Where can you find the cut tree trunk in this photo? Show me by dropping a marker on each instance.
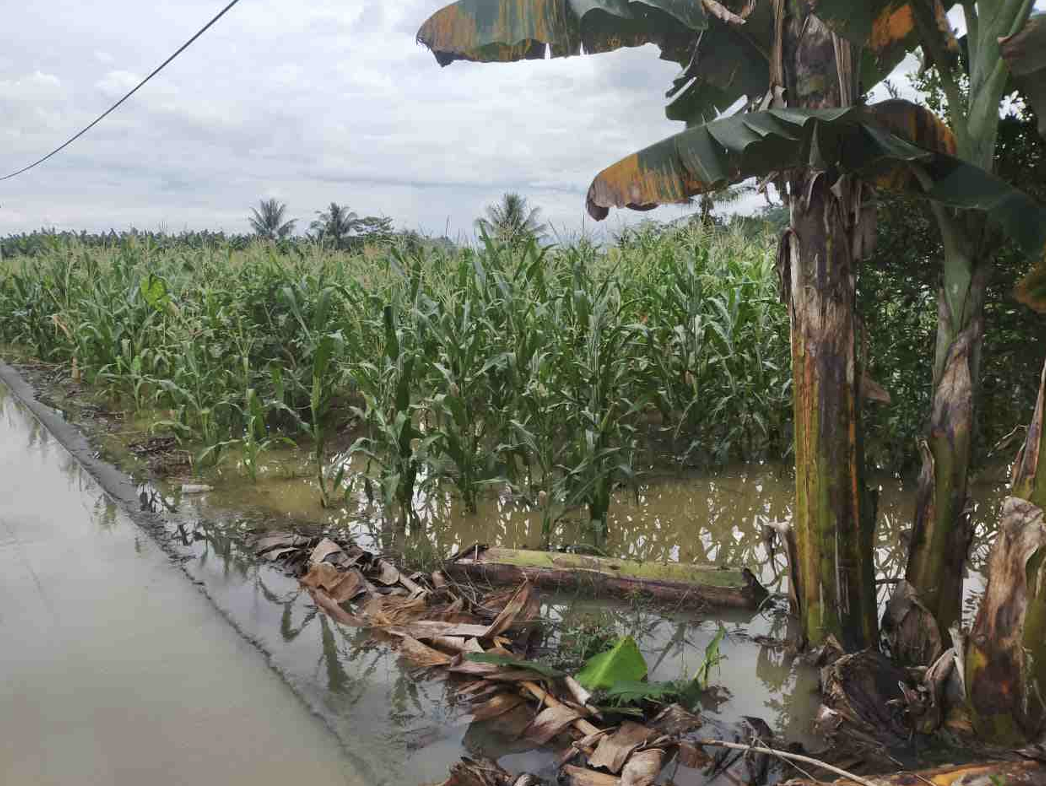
(673, 582)
(942, 531)
(1006, 654)
(819, 256)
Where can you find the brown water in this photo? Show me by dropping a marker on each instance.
(114, 669)
(716, 518)
(406, 728)
(395, 725)
(713, 518)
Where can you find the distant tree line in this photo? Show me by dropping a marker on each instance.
(510, 220)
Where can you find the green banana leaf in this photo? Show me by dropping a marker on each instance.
(621, 663)
(879, 143)
(1025, 54)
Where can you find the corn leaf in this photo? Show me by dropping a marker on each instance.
(514, 663)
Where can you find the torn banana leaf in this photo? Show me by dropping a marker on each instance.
(725, 55)
(1025, 54)
(884, 28)
(508, 30)
(883, 144)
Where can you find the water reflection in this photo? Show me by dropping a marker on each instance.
(405, 727)
(405, 721)
(718, 519)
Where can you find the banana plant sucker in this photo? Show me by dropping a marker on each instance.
(941, 532)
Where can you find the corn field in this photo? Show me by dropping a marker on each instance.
(561, 373)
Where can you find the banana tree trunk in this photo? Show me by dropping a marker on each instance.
(1006, 653)
(941, 531)
(835, 592)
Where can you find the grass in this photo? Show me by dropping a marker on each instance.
(559, 373)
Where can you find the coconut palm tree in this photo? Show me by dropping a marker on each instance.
(335, 225)
(512, 220)
(267, 220)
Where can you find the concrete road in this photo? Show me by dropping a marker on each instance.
(114, 669)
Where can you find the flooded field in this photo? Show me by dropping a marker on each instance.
(393, 724)
(711, 518)
(346, 675)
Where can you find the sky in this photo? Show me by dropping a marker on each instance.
(308, 103)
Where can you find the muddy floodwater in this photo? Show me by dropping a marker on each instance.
(714, 518)
(120, 666)
(409, 728)
(114, 668)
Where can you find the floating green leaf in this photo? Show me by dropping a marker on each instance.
(514, 663)
(630, 692)
(621, 663)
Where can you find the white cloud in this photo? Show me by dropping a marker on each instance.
(332, 101)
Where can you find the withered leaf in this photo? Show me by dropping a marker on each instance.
(582, 776)
(421, 654)
(386, 574)
(498, 704)
(643, 768)
(692, 756)
(323, 549)
(613, 751)
(279, 539)
(550, 722)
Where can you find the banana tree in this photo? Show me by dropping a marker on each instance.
(1003, 49)
(803, 129)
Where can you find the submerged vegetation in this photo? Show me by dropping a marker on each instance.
(562, 373)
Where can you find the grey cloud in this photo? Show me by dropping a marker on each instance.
(330, 100)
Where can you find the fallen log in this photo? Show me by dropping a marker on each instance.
(672, 582)
(1012, 773)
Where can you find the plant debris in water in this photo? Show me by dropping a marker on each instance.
(478, 640)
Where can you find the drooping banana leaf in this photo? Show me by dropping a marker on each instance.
(885, 28)
(880, 143)
(1025, 54)
(508, 30)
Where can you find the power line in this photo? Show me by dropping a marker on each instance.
(115, 106)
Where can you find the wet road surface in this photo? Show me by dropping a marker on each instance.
(114, 668)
